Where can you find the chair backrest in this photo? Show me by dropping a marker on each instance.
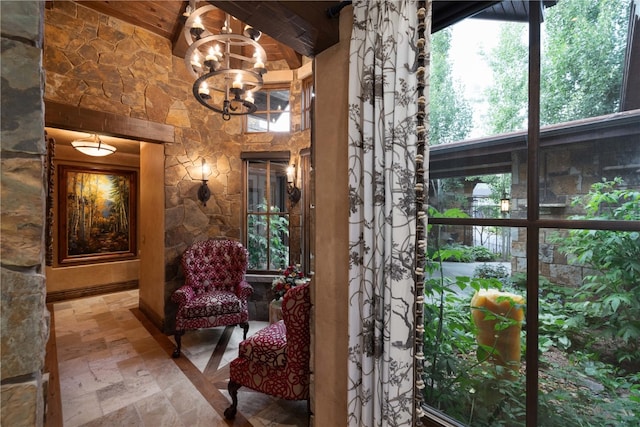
(214, 263)
(296, 314)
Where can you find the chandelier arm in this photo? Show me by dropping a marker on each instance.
(212, 69)
(192, 18)
(249, 107)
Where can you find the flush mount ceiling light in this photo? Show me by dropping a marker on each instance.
(93, 146)
(225, 79)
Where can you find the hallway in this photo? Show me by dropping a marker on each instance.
(115, 369)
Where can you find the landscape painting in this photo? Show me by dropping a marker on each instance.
(97, 212)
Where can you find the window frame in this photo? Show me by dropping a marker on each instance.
(306, 102)
(267, 89)
(277, 157)
(533, 225)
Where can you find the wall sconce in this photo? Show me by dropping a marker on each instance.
(505, 205)
(204, 194)
(292, 189)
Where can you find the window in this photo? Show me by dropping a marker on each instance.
(273, 113)
(266, 215)
(307, 102)
(562, 251)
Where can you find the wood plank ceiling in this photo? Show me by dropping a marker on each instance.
(290, 29)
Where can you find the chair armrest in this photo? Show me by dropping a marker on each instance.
(244, 290)
(182, 295)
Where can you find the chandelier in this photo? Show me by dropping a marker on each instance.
(225, 79)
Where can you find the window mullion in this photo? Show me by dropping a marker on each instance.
(268, 212)
(533, 214)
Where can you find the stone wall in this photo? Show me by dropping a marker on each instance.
(101, 63)
(566, 172)
(25, 320)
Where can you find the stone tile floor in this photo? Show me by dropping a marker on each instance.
(116, 370)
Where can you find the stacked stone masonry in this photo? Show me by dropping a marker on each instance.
(25, 322)
(101, 63)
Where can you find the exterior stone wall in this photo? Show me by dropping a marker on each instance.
(567, 171)
(25, 320)
(101, 63)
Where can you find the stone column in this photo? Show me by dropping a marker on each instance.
(25, 320)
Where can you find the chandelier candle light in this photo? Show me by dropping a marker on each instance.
(225, 79)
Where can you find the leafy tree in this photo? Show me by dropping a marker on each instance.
(450, 115)
(508, 95)
(268, 252)
(583, 59)
(609, 299)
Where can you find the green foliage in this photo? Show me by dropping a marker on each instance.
(508, 95)
(500, 185)
(488, 271)
(461, 253)
(579, 390)
(447, 193)
(609, 299)
(576, 389)
(450, 115)
(451, 253)
(582, 59)
(482, 254)
(267, 252)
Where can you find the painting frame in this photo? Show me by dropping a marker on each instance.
(97, 214)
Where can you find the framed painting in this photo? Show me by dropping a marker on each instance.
(96, 214)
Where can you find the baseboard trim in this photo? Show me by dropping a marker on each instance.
(157, 321)
(57, 296)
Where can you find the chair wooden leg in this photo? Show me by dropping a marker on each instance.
(230, 412)
(178, 336)
(245, 328)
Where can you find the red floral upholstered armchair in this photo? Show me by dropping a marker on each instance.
(215, 292)
(275, 360)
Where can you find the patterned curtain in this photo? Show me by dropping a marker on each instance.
(386, 167)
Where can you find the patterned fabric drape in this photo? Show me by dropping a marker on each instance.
(383, 106)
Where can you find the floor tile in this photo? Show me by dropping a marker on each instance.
(113, 372)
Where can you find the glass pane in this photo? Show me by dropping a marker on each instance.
(258, 122)
(588, 328)
(479, 196)
(279, 242)
(590, 176)
(257, 243)
(256, 186)
(583, 59)
(278, 186)
(279, 100)
(478, 84)
(280, 122)
(260, 100)
(474, 340)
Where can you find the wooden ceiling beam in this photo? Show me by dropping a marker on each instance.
(157, 17)
(303, 26)
(64, 116)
